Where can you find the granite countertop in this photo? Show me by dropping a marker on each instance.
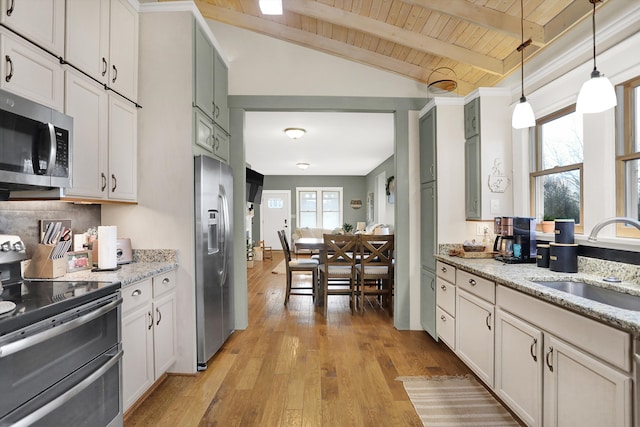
(521, 277)
(126, 275)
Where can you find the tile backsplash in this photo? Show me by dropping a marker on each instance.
(23, 218)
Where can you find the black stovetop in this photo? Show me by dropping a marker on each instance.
(37, 300)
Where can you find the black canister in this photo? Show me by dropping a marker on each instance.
(563, 257)
(542, 257)
(564, 230)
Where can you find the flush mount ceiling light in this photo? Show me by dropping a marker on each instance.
(302, 165)
(294, 133)
(597, 93)
(270, 7)
(523, 116)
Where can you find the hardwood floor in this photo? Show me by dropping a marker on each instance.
(294, 367)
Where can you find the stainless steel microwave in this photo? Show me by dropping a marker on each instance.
(35, 146)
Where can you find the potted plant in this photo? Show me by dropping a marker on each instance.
(250, 254)
(548, 224)
(347, 228)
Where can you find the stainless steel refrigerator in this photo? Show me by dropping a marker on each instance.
(214, 255)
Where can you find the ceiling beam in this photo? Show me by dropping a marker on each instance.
(324, 44)
(395, 34)
(566, 19)
(484, 17)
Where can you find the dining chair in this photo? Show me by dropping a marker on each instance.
(265, 250)
(298, 266)
(375, 270)
(337, 268)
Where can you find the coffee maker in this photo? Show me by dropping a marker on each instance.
(515, 239)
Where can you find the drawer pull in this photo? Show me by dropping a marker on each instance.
(472, 282)
(533, 354)
(444, 269)
(165, 280)
(443, 287)
(547, 358)
(136, 293)
(444, 319)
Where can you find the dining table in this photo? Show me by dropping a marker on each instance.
(311, 243)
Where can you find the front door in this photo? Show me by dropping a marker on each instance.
(275, 212)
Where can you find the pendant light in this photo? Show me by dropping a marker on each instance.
(523, 116)
(597, 93)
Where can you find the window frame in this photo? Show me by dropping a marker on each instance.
(537, 171)
(319, 208)
(625, 152)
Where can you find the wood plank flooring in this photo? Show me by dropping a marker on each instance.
(294, 367)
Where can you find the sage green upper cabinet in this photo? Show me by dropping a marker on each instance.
(428, 146)
(473, 192)
(42, 24)
(203, 68)
(221, 93)
(488, 154)
(472, 118)
(102, 41)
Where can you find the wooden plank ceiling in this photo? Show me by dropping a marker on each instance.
(472, 42)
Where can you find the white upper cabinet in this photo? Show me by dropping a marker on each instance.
(29, 72)
(102, 40)
(41, 21)
(122, 180)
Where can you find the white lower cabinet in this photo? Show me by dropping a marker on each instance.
(519, 367)
(148, 334)
(582, 391)
(474, 334)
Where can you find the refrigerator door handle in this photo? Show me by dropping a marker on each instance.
(225, 230)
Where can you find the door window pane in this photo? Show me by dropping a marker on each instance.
(561, 141)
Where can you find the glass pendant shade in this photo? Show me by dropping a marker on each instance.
(523, 116)
(596, 95)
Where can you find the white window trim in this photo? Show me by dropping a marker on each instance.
(319, 191)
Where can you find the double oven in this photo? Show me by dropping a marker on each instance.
(60, 351)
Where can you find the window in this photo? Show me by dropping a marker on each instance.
(320, 207)
(628, 158)
(556, 180)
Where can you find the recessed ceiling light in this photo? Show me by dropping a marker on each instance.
(270, 7)
(294, 133)
(302, 165)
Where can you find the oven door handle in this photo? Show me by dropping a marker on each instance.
(69, 394)
(20, 345)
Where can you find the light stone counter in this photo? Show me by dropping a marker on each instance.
(521, 277)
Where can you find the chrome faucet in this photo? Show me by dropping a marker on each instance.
(599, 226)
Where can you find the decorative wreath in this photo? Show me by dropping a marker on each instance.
(388, 186)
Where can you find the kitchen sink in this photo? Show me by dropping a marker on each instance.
(595, 293)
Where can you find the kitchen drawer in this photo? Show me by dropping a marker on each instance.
(446, 296)
(136, 295)
(164, 283)
(483, 288)
(446, 327)
(446, 271)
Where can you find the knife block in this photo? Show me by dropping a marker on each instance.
(43, 267)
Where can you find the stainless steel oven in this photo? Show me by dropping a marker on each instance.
(35, 145)
(60, 352)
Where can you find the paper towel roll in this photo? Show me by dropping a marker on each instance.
(107, 256)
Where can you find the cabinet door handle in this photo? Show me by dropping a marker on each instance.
(431, 168)
(488, 320)
(105, 66)
(104, 181)
(443, 287)
(433, 288)
(150, 320)
(531, 349)
(216, 110)
(444, 319)
(549, 354)
(10, 66)
(165, 280)
(136, 293)
(115, 183)
(473, 122)
(10, 9)
(159, 316)
(115, 74)
(472, 282)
